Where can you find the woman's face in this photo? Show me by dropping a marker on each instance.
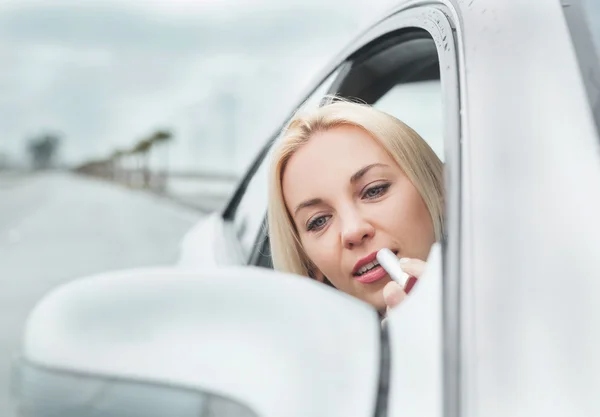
(349, 199)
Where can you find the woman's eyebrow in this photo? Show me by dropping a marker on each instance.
(361, 172)
(308, 203)
(355, 177)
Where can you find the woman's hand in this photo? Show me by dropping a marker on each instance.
(393, 293)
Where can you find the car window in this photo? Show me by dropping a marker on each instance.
(419, 105)
(402, 78)
(252, 208)
(399, 75)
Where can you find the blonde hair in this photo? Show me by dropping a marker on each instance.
(414, 156)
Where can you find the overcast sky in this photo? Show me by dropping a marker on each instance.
(106, 73)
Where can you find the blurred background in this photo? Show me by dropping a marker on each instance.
(123, 123)
(153, 93)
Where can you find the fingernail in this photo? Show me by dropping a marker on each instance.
(404, 260)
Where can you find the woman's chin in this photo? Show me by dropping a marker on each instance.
(371, 294)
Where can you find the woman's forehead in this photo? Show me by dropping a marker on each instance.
(329, 159)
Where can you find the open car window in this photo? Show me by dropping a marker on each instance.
(399, 74)
(419, 105)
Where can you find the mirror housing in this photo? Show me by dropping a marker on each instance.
(272, 344)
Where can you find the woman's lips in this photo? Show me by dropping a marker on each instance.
(371, 276)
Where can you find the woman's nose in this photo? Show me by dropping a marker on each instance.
(356, 231)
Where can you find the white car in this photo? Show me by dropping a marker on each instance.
(506, 320)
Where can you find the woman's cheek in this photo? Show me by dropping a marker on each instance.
(388, 212)
(325, 257)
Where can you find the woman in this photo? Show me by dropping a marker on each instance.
(346, 181)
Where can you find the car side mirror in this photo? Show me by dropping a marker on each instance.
(168, 342)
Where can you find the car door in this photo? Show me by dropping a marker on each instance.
(528, 342)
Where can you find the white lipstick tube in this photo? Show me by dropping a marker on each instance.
(389, 262)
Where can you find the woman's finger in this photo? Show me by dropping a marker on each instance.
(393, 294)
(413, 267)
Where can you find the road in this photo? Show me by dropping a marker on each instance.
(56, 227)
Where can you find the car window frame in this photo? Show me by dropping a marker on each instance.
(587, 52)
(232, 205)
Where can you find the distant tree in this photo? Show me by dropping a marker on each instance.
(43, 149)
(163, 136)
(129, 171)
(142, 148)
(115, 159)
(94, 167)
(117, 154)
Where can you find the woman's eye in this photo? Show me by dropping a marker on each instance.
(317, 223)
(376, 191)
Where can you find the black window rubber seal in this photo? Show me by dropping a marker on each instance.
(383, 390)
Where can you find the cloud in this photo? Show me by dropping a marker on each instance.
(207, 30)
(107, 72)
